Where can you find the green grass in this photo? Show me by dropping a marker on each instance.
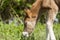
(13, 32)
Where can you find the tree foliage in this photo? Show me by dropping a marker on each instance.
(11, 8)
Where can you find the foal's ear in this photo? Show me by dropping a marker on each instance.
(28, 12)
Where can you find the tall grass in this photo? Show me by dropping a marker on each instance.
(13, 32)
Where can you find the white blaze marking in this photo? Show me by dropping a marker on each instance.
(31, 23)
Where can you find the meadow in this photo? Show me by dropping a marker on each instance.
(13, 32)
(15, 8)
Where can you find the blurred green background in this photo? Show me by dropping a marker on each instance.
(12, 17)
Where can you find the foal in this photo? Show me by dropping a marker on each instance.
(32, 15)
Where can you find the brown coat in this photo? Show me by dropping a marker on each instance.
(58, 3)
(48, 3)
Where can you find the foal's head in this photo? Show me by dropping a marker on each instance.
(29, 22)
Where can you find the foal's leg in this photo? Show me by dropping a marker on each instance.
(47, 34)
(51, 16)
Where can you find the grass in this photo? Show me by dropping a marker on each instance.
(13, 32)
